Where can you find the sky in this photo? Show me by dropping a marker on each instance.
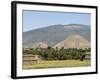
(38, 19)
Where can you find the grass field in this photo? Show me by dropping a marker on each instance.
(57, 64)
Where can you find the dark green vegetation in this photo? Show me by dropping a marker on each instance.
(56, 58)
(58, 54)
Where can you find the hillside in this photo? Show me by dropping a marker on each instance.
(55, 34)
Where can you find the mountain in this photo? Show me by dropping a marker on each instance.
(74, 41)
(54, 34)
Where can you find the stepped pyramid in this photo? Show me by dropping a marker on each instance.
(74, 41)
(39, 45)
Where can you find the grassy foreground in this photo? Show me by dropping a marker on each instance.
(57, 64)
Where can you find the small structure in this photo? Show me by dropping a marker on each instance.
(87, 56)
(30, 59)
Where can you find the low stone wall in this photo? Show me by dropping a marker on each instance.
(87, 56)
(30, 59)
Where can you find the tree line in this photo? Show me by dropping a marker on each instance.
(57, 54)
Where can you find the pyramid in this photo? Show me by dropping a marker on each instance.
(74, 41)
(39, 45)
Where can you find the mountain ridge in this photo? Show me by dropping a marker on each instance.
(54, 34)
